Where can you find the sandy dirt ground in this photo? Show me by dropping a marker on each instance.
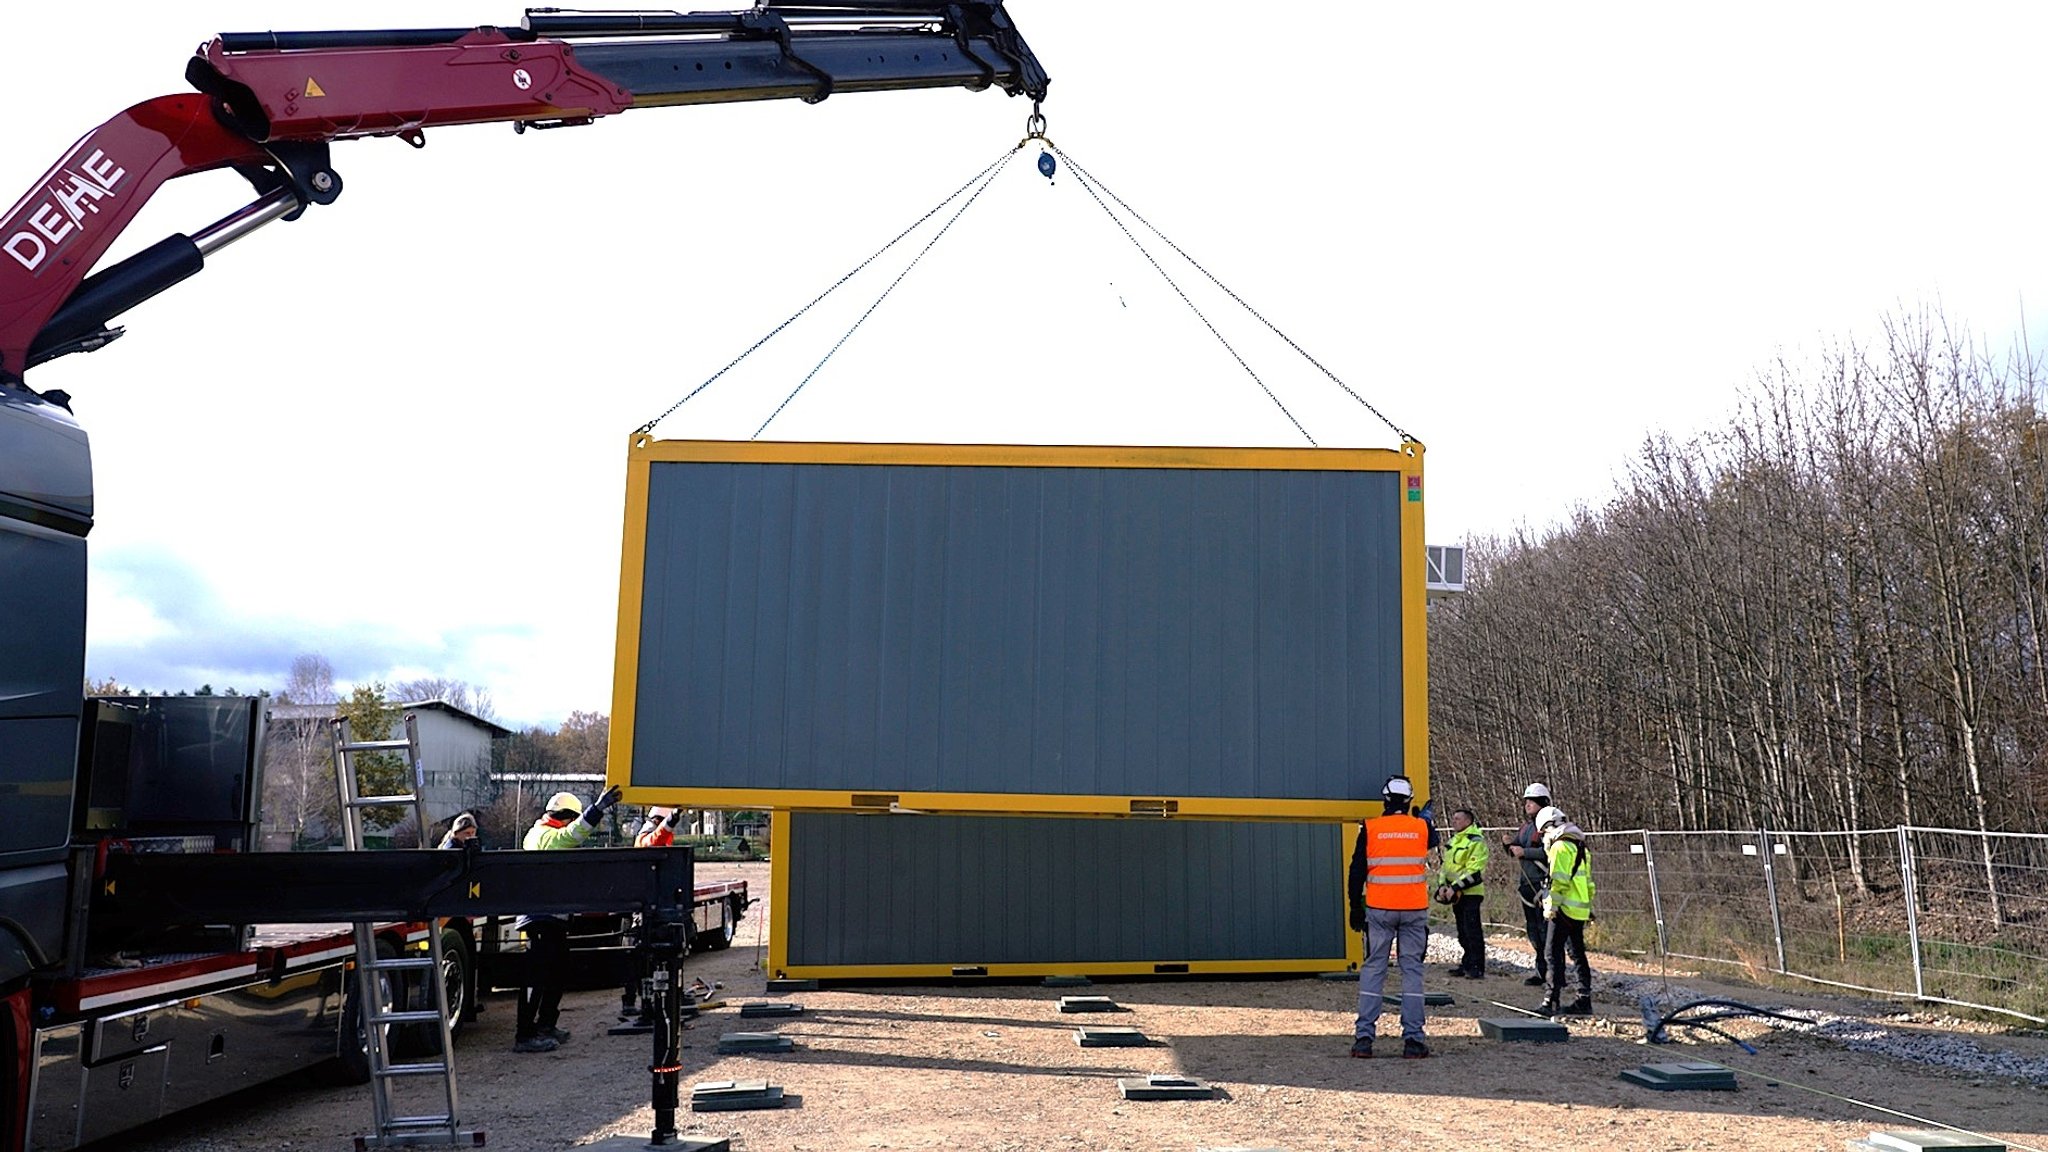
(996, 1067)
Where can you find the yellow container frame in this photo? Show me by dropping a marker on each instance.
(644, 452)
(780, 968)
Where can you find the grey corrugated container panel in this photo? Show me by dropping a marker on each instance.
(1232, 633)
(1050, 894)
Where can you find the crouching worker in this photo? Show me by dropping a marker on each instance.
(1389, 891)
(1567, 906)
(566, 824)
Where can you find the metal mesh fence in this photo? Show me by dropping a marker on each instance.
(1937, 914)
(1980, 906)
(1842, 909)
(1715, 898)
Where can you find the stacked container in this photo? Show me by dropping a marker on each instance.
(1029, 710)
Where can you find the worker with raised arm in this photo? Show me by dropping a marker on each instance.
(1389, 893)
(1567, 906)
(565, 824)
(1463, 887)
(658, 828)
(1526, 846)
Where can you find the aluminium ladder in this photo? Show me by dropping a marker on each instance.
(376, 975)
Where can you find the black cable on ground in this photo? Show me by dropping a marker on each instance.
(1735, 1008)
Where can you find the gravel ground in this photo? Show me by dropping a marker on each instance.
(995, 1067)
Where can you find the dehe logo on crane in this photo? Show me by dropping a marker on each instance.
(47, 222)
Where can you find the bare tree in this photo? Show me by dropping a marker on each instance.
(299, 795)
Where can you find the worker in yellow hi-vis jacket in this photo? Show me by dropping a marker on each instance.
(1463, 888)
(565, 824)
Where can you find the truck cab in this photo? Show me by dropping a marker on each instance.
(45, 513)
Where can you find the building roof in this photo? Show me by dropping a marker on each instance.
(327, 712)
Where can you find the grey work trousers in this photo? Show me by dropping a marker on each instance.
(1384, 929)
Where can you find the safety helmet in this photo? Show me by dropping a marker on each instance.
(565, 802)
(1551, 815)
(1398, 788)
(1536, 792)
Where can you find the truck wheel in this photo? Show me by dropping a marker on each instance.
(458, 975)
(722, 936)
(425, 1039)
(352, 1061)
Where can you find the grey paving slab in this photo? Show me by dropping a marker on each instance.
(1164, 1088)
(734, 1096)
(1111, 1038)
(754, 1042)
(1523, 1029)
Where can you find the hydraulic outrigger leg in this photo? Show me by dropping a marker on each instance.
(665, 943)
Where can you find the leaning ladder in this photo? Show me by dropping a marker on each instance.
(377, 974)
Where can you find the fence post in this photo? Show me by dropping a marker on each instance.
(1763, 843)
(1656, 899)
(1909, 884)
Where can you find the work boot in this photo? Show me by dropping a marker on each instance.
(1536, 981)
(1412, 1049)
(1475, 974)
(1547, 1008)
(535, 1044)
(1583, 1006)
(1459, 974)
(559, 1035)
(1362, 1048)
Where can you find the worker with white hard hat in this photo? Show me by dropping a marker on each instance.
(1389, 891)
(1526, 846)
(1567, 906)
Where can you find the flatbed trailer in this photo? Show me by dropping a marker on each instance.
(122, 1044)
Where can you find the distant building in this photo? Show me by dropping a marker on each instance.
(455, 748)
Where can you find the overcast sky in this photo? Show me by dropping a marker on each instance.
(394, 431)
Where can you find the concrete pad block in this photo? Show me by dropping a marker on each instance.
(734, 1096)
(733, 1042)
(1391, 1001)
(1066, 982)
(637, 1143)
(1088, 1004)
(792, 986)
(1111, 1038)
(1683, 1076)
(1523, 1029)
(1916, 1141)
(1164, 1088)
(770, 1008)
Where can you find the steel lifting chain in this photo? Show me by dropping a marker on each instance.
(1089, 181)
(982, 178)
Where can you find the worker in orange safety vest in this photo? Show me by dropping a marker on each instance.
(658, 828)
(1389, 892)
